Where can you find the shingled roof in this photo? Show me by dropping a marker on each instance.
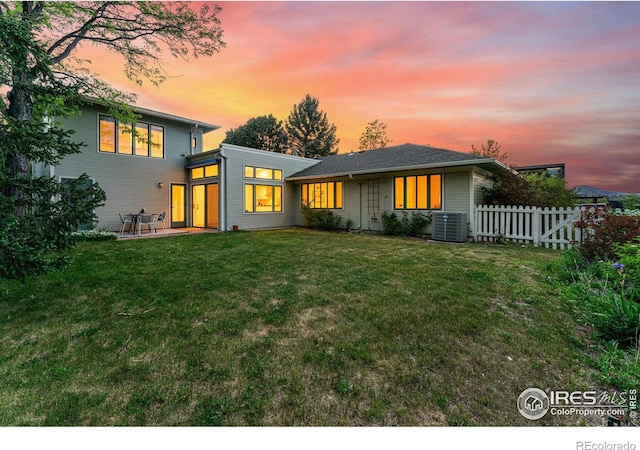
(396, 158)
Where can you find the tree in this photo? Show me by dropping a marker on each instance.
(263, 132)
(310, 134)
(491, 150)
(374, 136)
(42, 81)
(533, 189)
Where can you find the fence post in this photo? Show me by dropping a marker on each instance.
(535, 225)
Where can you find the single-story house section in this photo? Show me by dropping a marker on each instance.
(404, 178)
(166, 169)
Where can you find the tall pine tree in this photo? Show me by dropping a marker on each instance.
(310, 134)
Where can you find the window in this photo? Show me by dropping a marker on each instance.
(148, 139)
(260, 198)
(262, 173)
(107, 134)
(204, 172)
(322, 195)
(418, 192)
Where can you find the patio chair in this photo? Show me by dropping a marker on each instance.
(148, 220)
(161, 218)
(126, 220)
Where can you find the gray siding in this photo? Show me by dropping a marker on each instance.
(130, 182)
(456, 192)
(239, 157)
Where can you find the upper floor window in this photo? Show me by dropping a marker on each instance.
(418, 192)
(262, 173)
(147, 140)
(322, 195)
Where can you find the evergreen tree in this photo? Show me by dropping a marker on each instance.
(310, 134)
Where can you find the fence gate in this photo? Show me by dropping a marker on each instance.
(549, 227)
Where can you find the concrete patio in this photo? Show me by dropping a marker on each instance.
(165, 233)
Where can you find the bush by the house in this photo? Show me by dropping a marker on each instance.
(604, 230)
(321, 219)
(409, 225)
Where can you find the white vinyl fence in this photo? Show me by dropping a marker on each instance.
(548, 227)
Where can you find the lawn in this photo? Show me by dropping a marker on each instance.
(286, 327)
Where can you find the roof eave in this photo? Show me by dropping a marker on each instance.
(206, 127)
(472, 162)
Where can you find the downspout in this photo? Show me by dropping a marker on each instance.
(359, 201)
(222, 194)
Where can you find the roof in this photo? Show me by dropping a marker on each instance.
(395, 158)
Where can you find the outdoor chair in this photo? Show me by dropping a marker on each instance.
(126, 220)
(161, 218)
(148, 220)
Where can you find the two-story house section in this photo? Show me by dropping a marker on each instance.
(145, 171)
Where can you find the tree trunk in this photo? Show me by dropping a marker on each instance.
(20, 108)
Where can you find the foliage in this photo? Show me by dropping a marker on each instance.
(491, 150)
(409, 225)
(540, 190)
(618, 367)
(374, 136)
(42, 83)
(35, 243)
(263, 132)
(606, 296)
(321, 219)
(632, 202)
(310, 134)
(603, 230)
(94, 235)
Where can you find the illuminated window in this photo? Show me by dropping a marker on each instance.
(262, 173)
(261, 198)
(148, 139)
(156, 142)
(204, 172)
(107, 134)
(322, 195)
(418, 192)
(125, 140)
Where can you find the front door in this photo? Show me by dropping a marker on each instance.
(205, 205)
(178, 206)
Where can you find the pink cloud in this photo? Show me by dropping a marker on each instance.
(553, 82)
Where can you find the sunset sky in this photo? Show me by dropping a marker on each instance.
(551, 82)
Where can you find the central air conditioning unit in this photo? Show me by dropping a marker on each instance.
(449, 226)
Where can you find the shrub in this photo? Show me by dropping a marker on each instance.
(603, 230)
(322, 219)
(409, 225)
(94, 235)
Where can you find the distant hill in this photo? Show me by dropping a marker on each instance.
(594, 192)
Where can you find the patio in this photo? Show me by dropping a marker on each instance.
(165, 233)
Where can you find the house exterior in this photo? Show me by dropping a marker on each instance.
(236, 187)
(134, 173)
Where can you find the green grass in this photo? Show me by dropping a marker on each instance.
(287, 327)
